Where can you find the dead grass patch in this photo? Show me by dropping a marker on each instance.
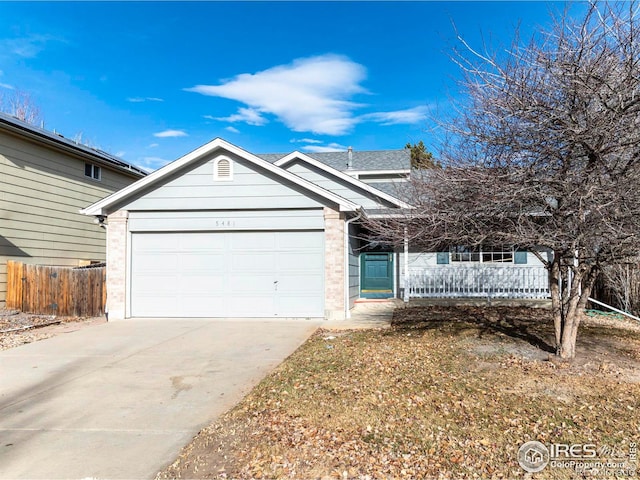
(445, 393)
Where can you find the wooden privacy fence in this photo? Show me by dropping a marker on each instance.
(64, 291)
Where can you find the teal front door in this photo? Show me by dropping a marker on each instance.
(376, 279)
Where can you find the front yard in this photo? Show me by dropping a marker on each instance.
(445, 393)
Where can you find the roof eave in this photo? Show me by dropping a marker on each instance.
(345, 177)
(67, 146)
(102, 207)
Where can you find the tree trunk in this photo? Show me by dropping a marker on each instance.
(579, 293)
(556, 298)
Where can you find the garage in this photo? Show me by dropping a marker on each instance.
(227, 274)
(222, 233)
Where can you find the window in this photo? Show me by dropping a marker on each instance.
(223, 169)
(465, 254)
(481, 254)
(92, 171)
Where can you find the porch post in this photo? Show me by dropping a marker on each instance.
(406, 266)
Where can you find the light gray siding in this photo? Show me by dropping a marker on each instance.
(335, 185)
(249, 188)
(41, 191)
(185, 221)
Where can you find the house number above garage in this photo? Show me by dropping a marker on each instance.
(225, 223)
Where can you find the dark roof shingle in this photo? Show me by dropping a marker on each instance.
(371, 160)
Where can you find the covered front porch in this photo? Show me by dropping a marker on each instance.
(458, 273)
(477, 281)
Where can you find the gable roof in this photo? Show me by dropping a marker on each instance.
(292, 157)
(362, 161)
(102, 207)
(15, 126)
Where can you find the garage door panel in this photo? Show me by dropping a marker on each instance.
(298, 306)
(202, 307)
(200, 285)
(206, 242)
(249, 305)
(157, 285)
(252, 262)
(148, 263)
(152, 306)
(155, 243)
(253, 241)
(298, 241)
(249, 284)
(300, 261)
(293, 284)
(227, 274)
(205, 262)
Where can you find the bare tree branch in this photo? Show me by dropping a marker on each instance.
(545, 153)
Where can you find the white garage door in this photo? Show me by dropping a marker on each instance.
(227, 274)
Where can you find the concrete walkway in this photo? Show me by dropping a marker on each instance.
(119, 400)
(367, 314)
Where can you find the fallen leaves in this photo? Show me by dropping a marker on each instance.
(454, 400)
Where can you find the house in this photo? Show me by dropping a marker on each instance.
(222, 232)
(44, 180)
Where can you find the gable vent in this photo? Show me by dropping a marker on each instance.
(222, 169)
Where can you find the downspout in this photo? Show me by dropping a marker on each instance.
(406, 265)
(347, 310)
(100, 220)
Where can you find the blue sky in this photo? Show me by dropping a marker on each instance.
(151, 81)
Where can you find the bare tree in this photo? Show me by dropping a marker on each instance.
(21, 105)
(621, 285)
(544, 154)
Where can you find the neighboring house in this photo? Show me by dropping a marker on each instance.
(44, 180)
(222, 232)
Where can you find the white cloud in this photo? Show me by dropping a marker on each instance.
(154, 145)
(27, 47)
(304, 140)
(144, 99)
(308, 95)
(120, 154)
(332, 147)
(246, 115)
(150, 164)
(409, 116)
(7, 86)
(170, 133)
(232, 129)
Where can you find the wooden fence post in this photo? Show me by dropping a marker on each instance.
(48, 290)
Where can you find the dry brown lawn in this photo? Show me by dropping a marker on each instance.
(445, 393)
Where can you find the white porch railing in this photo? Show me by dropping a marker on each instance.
(491, 281)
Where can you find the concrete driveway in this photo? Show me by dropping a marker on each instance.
(119, 400)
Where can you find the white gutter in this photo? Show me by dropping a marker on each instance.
(347, 310)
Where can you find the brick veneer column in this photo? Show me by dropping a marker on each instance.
(333, 264)
(117, 264)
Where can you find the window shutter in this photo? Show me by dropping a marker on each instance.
(520, 257)
(442, 258)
